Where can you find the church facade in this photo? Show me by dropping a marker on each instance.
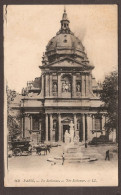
(66, 91)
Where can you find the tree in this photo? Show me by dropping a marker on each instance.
(13, 122)
(109, 95)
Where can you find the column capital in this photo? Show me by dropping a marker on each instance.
(92, 115)
(58, 73)
(50, 114)
(89, 114)
(59, 114)
(74, 73)
(47, 73)
(27, 115)
(30, 116)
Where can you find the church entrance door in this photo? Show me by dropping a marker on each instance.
(65, 127)
(36, 137)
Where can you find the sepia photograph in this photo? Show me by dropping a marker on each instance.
(60, 95)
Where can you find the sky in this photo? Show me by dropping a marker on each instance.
(28, 29)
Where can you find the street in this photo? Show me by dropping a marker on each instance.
(35, 166)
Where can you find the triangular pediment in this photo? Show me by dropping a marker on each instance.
(67, 63)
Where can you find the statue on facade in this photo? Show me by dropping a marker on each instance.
(66, 87)
(72, 131)
(54, 87)
(78, 87)
(63, 87)
(69, 87)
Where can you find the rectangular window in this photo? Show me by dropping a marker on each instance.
(35, 124)
(98, 125)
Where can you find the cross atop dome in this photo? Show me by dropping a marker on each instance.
(64, 14)
(65, 22)
(64, 8)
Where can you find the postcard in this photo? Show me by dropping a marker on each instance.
(61, 95)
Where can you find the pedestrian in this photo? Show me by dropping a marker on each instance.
(85, 144)
(63, 159)
(107, 155)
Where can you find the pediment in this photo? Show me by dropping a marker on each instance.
(67, 63)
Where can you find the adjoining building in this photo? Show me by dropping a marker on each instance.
(66, 91)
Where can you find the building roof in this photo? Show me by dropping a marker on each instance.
(62, 41)
(65, 43)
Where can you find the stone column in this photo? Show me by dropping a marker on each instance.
(62, 132)
(75, 123)
(39, 124)
(46, 124)
(83, 116)
(83, 85)
(47, 84)
(43, 83)
(40, 130)
(87, 85)
(31, 127)
(51, 93)
(103, 124)
(86, 126)
(31, 123)
(59, 85)
(22, 126)
(51, 128)
(74, 86)
(90, 83)
(93, 127)
(59, 126)
(89, 127)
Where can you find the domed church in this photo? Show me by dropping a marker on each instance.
(66, 91)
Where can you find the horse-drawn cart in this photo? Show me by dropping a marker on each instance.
(42, 148)
(21, 147)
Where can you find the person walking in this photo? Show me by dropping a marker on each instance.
(107, 155)
(63, 158)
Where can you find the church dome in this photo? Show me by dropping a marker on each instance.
(65, 43)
